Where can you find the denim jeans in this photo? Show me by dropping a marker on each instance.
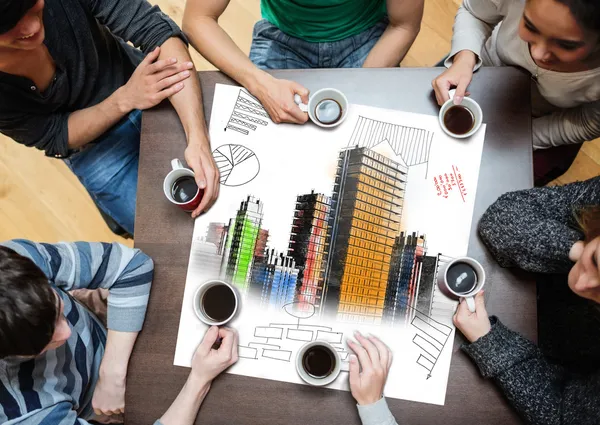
(108, 169)
(273, 49)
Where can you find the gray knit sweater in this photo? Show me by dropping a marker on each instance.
(558, 381)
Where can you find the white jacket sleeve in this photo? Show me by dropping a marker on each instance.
(377, 413)
(473, 25)
(567, 126)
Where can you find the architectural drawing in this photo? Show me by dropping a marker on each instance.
(237, 164)
(269, 340)
(335, 230)
(410, 144)
(247, 114)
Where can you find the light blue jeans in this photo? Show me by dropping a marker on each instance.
(273, 49)
(108, 169)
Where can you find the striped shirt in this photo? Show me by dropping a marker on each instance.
(56, 388)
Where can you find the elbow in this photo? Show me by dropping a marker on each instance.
(497, 223)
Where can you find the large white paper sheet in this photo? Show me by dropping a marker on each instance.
(359, 220)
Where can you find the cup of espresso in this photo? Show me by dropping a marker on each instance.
(326, 107)
(180, 187)
(460, 121)
(318, 363)
(216, 302)
(462, 277)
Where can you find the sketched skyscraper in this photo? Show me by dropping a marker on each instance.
(241, 242)
(307, 245)
(405, 273)
(365, 220)
(274, 279)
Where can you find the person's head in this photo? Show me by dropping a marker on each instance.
(31, 312)
(561, 31)
(21, 24)
(584, 277)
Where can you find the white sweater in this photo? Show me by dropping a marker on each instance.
(565, 106)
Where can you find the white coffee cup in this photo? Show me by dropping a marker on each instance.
(178, 171)
(468, 103)
(330, 377)
(316, 98)
(470, 295)
(199, 308)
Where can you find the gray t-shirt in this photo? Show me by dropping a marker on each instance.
(86, 39)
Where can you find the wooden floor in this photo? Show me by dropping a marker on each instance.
(41, 200)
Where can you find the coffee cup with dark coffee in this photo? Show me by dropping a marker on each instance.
(460, 121)
(462, 277)
(216, 302)
(318, 363)
(180, 187)
(326, 107)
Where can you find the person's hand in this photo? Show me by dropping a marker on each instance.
(369, 368)
(472, 325)
(584, 277)
(207, 362)
(109, 395)
(200, 159)
(277, 97)
(459, 75)
(153, 81)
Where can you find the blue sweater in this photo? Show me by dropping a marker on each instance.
(56, 388)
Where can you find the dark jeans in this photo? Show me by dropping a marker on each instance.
(273, 49)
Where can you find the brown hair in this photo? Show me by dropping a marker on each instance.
(589, 221)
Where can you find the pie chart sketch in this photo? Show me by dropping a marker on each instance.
(237, 164)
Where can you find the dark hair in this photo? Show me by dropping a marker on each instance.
(589, 221)
(28, 306)
(585, 12)
(11, 12)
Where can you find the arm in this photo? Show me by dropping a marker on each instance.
(369, 368)
(567, 126)
(207, 364)
(405, 23)
(473, 25)
(125, 272)
(542, 393)
(535, 229)
(200, 23)
(188, 104)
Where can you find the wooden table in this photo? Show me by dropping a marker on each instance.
(165, 233)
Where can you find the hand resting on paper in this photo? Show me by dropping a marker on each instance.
(207, 364)
(369, 368)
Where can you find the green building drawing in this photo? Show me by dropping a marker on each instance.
(242, 236)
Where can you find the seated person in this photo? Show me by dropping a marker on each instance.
(304, 34)
(552, 231)
(75, 88)
(58, 363)
(557, 42)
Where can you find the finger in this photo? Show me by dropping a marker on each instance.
(442, 91)
(150, 57)
(210, 337)
(294, 115)
(160, 65)
(587, 259)
(301, 91)
(172, 80)
(227, 342)
(206, 197)
(168, 92)
(97, 412)
(370, 347)
(480, 303)
(390, 358)
(461, 89)
(354, 372)
(383, 350)
(172, 70)
(438, 99)
(361, 353)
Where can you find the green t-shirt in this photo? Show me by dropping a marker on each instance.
(323, 20)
